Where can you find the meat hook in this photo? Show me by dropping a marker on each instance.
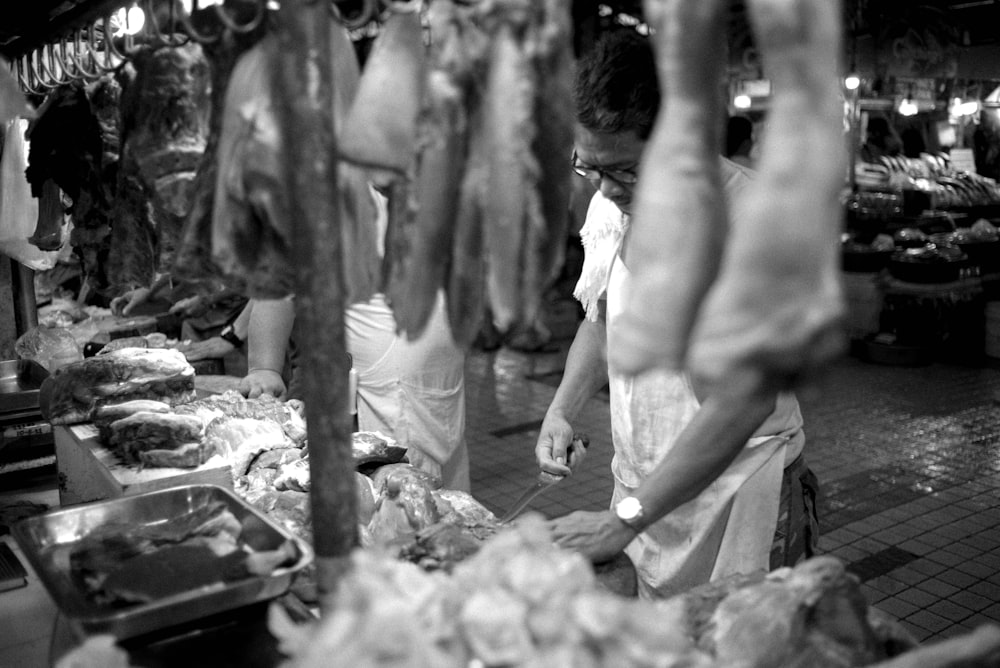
(192, 32)
(67, 63)
(159, 37)
(36, 68)
(369, 12)
(95, 51)
(46, 57)
(80, 54)
(252, 25)
(23, 76)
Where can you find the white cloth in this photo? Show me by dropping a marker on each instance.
(413, 391)
(727, 528)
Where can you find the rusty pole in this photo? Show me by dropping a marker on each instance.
(303, 100)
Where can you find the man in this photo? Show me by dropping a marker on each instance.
(698, 475)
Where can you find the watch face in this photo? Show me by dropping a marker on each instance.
(629, 508)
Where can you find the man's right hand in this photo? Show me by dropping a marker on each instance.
(553, 443)
(262, 381)
(124, 304)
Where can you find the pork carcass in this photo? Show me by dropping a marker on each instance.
(676, 237)
(777, 304)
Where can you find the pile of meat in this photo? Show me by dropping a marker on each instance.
(124, 564)
(523, 602)
(81, 388)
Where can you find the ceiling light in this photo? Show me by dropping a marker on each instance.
(852, 82)
(907, 107)
(742, 102)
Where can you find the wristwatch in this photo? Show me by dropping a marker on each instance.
(629, 510)
(229, 334)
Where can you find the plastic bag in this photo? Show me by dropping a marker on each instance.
(50, 347)
(18, 209)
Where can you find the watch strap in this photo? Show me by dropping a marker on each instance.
(229, 334)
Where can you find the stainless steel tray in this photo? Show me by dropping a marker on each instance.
(19, 384)
(47, 540)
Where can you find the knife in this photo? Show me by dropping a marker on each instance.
(542, 482)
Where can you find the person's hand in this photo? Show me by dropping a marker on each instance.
(190, 307)
(599, 536)
(262, 381)
(124, 304)
(213, 348)
(553, 442)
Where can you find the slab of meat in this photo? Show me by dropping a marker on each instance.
(48, 233)
(381, 129)
(676, 236)
(244, 439)
(233, 404)
(193, 260)
(123, 375)
(138, 434)
(251, 224)
(777, 304)
(165, 113)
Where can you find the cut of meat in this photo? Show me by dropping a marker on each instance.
(676, 236)
(777, 304)
(131, 373)
(148, 431)
(184, 456)
(243, 439)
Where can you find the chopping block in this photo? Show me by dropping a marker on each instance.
(91, 471)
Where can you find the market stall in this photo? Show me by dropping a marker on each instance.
(203, 509)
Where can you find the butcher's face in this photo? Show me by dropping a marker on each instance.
(610, 162)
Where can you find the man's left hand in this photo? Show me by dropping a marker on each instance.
(191, 307)
(599, 536)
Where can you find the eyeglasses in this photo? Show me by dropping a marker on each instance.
(623, 177)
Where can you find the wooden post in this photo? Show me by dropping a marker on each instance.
(303, 100)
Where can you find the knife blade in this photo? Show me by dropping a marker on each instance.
(542, 482)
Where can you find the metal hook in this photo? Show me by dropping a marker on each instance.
(81, 54)
(23, 76)
(369, 12)
(159, 37)
(94, 51)
(37, 66)
(109, 41)
(223, 15)
(192, 32)
(68, 64)
(48, 67)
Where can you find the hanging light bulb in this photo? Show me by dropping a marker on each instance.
(852, 81)
(742, 101)
(129, 21)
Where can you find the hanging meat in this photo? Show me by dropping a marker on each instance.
(381, 128)
(67, 146)
(193, 258)
(491, 183)
(164, 130)
(679, 226)
(251, 227)
(777, 304)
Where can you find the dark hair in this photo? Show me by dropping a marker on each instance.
(616, 87)
(739, 129)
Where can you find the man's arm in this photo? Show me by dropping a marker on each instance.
(706, 447)
(269, 327)
(586, 372)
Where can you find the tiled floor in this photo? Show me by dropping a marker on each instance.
(908, 459)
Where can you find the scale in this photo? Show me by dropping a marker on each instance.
(26, 440)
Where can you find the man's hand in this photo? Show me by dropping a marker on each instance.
(213, 348)
(554, 439)
(124, 304)
(262, 381)
(190, 307)
(599, 536)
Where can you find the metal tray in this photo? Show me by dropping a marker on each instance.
(19, 383)
(47, 540)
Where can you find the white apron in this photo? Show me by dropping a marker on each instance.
(729, 527)
(413, 391)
